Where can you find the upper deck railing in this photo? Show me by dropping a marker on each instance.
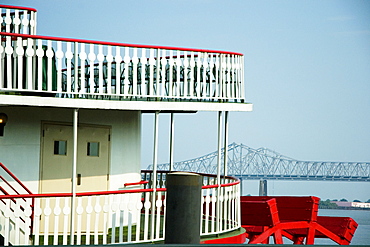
(75, 68)
(16, 19)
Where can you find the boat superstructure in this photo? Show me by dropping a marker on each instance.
(70, 148)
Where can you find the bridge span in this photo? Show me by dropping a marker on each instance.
(248, 163)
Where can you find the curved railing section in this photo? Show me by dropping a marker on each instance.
(75, 68)
(132, 215)
(220, 202)
(16, 19)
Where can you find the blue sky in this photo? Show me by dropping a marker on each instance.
(307, 72)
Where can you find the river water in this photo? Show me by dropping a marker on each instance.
(362, 217)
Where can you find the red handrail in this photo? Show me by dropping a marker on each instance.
(117, 44)
(17, 7)
(15, 178)
(136, 183)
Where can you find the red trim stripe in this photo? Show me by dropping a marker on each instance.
(18, 7)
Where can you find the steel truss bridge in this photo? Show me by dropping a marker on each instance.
(248, 163)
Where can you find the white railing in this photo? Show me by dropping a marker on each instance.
(110, 217)
(61, 67)
(18, 19)
(220, 202)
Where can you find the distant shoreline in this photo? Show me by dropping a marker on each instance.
(344, 208)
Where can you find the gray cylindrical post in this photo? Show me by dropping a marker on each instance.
(263, 187)
(184, 191)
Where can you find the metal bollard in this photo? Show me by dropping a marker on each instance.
(183, 208)
(263, 187)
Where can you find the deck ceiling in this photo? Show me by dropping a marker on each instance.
(15, 100)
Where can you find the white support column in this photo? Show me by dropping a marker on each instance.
(226, 140)
(219, 138)
(74, 174)
(218, 205)
(154, 178)
(172, 141)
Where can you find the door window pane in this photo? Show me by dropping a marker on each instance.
(93, 149)
(60, 147)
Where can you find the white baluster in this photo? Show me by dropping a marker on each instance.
(115, 219)
(8, 21)
(147, 206)
(33, 22)
(16, 21)
(20, 52)
(126, 81)
(98, 210)
(192, 77)
(171, 62)
(36, 220)
(91, 58)
(208, 205)
(151, 73)
(214, 200)
(49, 55)
(47, 212)
(83, 57)
(228, 79)
(109, 59)
(158, 205)
(59, 57)
(17, 221)
(30, 52)
(143, 62)
(79, 211)
(121, 215)
(40, 54)
(118, 60)
(178, 73)
(7, 215)
(89, 210)
(205, 67)
(139, 207)
(69, 56)
(164, 216)
(27, 223)
(25, 22)
(211, 76)
(199, 66)
(57, 212)
(135, 61)
(100, 58)
(66, 213)
(158, 73)
(162, 80)
(107, 212)
(185, 82)
(217, 76)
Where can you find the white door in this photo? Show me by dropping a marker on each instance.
(92, 158)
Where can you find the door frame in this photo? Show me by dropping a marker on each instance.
(43, 123)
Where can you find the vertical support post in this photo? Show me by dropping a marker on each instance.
(74, 174)
(183, 216)
(218, 202)
(172, 141)
(154, 178)
(219, 139)
(226, 137)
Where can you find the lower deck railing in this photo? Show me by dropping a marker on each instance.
(110, 217)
